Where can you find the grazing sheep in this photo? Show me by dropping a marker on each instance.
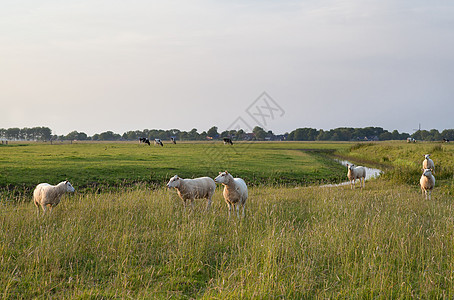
(235, 191)
(50, 195)
(428, 163)
(190, 189)
(356, 172)
(427, 182)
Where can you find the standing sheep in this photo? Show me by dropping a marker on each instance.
(235, 191)
(354, 173)
(428, 163)
(50, 195)
(190, 189)
(427, 182)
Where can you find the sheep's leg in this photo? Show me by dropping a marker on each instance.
(230, 208)
(243, 209)
(209, 203)
(430, 192)
(237, 210)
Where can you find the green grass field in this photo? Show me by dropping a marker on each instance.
(297, 240)
(104, 165)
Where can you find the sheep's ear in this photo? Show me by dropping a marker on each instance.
(220, 173)
(226, 172)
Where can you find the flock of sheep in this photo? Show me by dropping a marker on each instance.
(427, 180)
(235, 189)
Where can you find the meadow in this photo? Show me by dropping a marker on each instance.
(298, 240)
(107, 165)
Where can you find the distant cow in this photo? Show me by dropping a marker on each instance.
(173, 140)
(158, 142)
(228, 141)
(144, 140)
(446, 140)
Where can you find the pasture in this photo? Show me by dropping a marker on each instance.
(107, 165)
(296, 241)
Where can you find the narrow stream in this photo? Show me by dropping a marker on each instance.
(371, 173)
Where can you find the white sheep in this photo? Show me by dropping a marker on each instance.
(427, 182)
(235, 191)
(428, 163)
(356, 172)
(50, 195)
(190, 189)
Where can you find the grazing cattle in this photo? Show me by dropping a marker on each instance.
(190, 189)
(228, 141)
(158, 142)
(356, 172)
(144, 140)
(50, 195)
(235, 191)
(427, 182)
(173, 140)
(445, 140)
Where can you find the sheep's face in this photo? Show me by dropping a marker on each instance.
(351, 167)
(69, 187)
(223, 177)
(174, 182)
(427, 172)
(426, 156)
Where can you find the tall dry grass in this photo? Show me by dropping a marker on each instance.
(383, 242)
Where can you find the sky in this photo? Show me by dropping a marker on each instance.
(98, 65)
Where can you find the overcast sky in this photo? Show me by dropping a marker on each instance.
(98, 65)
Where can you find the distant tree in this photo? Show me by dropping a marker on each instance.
(435, 135)
(303, 134)
(13, 133)
(74, 135)
(385, 136)
(259, 133)
(448, 134)
(322, 135)
(109, 136)
(213, 132)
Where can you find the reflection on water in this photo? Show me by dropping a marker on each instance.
(370, 173)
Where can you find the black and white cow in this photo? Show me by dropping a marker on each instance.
(144, 140)
(158, 142)
(228, 141)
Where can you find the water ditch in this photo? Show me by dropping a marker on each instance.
(371, 173)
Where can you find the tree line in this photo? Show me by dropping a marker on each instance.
(258, 133)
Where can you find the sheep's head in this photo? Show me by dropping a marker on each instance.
(174, 182)
(223, 177)
(426, 156)
(350, 167)
(69, 187)
(427, 172)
